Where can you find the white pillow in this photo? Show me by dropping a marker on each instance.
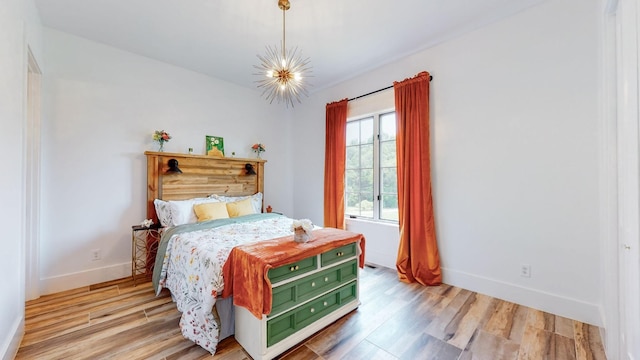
(178, 212)
(182, 211)
(163, 211)
(256, 200)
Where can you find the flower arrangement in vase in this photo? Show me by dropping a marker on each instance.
(258, 148)
(301, 230)
(161, 137)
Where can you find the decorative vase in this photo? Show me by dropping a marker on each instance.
(161, 149)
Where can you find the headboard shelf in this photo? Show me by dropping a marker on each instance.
(201, 176)
(195, 156)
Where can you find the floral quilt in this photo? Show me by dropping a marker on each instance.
(192, 270)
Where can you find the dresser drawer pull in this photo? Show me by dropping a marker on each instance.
(313, 283)
(325, 303)
(294, 268)
(340, 253)
(313, 310)
(326, 279)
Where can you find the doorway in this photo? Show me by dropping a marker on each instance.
(32, 160)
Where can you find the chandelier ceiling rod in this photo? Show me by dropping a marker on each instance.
(284, 5)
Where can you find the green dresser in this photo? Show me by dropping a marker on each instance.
(307, 295)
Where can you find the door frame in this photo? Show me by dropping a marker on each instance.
(622, 249)
(32, 165)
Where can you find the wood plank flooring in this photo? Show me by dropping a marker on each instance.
(117, 320)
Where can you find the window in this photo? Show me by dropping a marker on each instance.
(371, 189)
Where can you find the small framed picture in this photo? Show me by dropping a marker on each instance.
(215, 146)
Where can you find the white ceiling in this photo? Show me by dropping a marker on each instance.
(343, 38)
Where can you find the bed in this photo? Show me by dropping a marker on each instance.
(284, 291)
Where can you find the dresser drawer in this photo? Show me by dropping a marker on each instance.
(292, 321)
(294, 269)
(293, 293)
(338, 254)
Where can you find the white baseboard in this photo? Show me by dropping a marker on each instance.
(548, 302)
(610, 335)
(84, 278)
(10, 348)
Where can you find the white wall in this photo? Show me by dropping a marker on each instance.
(101, 106)
(514, 111)
(20, 29)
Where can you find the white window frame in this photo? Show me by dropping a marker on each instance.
(377, 182)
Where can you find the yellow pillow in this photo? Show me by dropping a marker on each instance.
(211, 211)
(240, 208)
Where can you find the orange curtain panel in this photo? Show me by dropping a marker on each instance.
(334, 164)
(418, 259)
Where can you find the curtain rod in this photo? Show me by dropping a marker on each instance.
(377, 91)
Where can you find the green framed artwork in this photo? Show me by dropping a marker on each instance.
(215, 146)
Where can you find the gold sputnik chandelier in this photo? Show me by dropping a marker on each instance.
(283, 70)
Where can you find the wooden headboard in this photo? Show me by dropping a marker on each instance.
(201, 176)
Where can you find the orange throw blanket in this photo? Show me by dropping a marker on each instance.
(245, 271)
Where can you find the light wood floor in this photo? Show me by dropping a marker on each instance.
(395, 321)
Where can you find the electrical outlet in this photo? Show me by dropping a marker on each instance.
(95, 254)
(525, 270)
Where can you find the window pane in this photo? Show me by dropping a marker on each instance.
(352, 181)
(353, 157)
(366, 205)
(366, 156)
(389, 181)
(353, 200)
(366, 181)
(352, 204)
(388, 153)
(353, 133)
(389, 207)
(388, 126)
(366, 131)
